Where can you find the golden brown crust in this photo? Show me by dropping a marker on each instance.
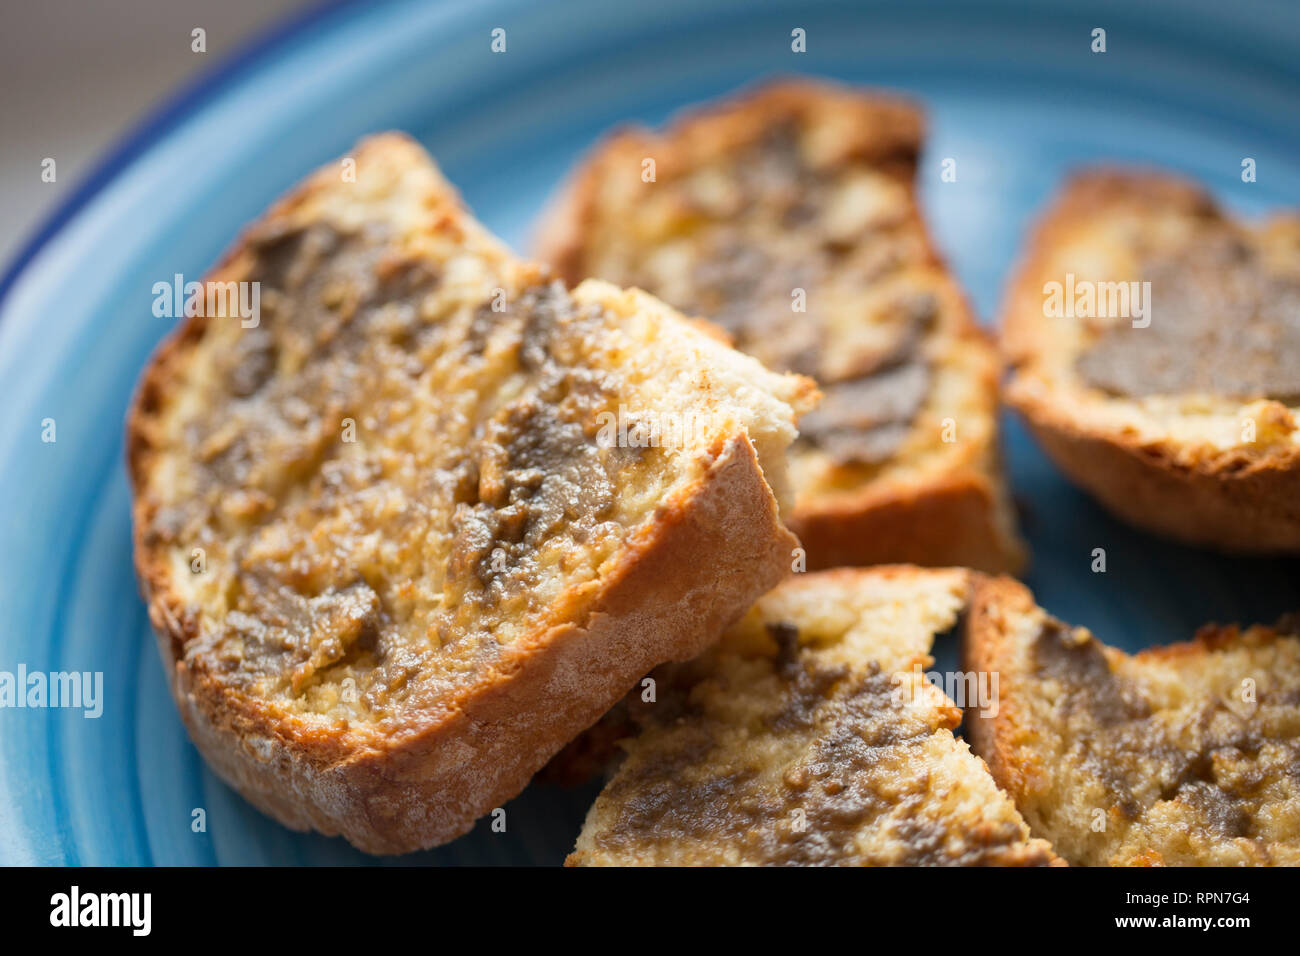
(1226, 502)
(1177, 755)
(985, 634)
(936, 504)
(1200, 469)
(713, 547)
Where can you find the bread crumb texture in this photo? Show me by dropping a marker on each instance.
(1186, 755)
(399, 473)
(810, 736)
(1217, 345)
(787, 216)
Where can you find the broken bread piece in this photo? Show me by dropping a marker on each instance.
(1155, 347)
(788, 215)
(431, 514)
(1185, 755)
(809, 735)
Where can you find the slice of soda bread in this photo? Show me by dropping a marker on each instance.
(1181, 755)
(788, 216)
(1155, 344)
(810, 735)
(431, 514)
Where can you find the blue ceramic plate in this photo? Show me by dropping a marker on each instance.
(1015, 94)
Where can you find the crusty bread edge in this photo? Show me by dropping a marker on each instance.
(1232, 502)
(1236, 509)
(949, 521)
(986, 649)
(716, 546)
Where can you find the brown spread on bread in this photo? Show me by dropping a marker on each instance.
(788, 216)
(369, 394)
(1223, 322)
(395, 548)
(810, 737)
(763, 221)
(773, 233)
(341, 336)
(859, 741)
(1177, 411)
(1187, 754)
(1212, 762)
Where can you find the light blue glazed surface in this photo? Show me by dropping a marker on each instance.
(1014, 95)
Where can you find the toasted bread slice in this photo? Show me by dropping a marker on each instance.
(810, 736)
(397, 543)
(1182, 419)
(788, 215)
(1180, 755)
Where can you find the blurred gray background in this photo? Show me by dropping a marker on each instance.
(77, 74)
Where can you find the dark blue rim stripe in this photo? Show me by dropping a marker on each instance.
(159, 122)
(129, 148)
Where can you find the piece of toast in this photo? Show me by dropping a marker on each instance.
(788, 215)
(433, 514)
(809, 735)
(1181, 755)
(1183, 419)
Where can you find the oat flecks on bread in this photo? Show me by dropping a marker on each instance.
(809, 735)
(1180, 755)
(1186, 424)
(392, 562)
(788, 216)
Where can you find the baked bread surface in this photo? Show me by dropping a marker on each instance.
(1185, 755)
(809, 735)
(393, 556)
(1185, 424)
(788, 216)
